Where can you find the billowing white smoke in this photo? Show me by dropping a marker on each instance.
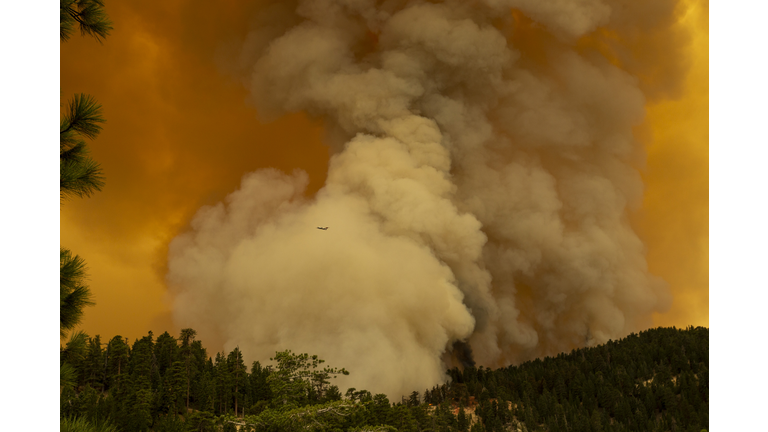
(471, 198)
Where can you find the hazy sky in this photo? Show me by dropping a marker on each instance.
(180, 135)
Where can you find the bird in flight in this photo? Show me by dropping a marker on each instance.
(322, 228)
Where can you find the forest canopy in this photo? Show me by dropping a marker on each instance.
(657, 380)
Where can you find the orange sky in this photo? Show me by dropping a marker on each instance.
(179, 135)
(675, 219)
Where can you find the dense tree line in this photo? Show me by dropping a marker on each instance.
(657, 380)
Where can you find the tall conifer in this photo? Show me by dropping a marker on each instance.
(79, 175)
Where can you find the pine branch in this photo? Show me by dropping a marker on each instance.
(74, 294)
(71, 308)
(67, 376)
(81, 177)
(71, 145)
(90, 16)
(74, 151)
(72, 270)
(82, 116)
(75, 349)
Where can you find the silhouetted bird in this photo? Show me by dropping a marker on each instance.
(322, 228)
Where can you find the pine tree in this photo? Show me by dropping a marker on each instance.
(380, 410)
(239, 375)
(462, 420)
(199, 364)
(117, 361)
(260, 390)
(166, 352)
(141, 362)
(205, 391)
(332, 394)
(200, 421)
(173, 389)
(94, 364)
(138, 414)
(413, 399)
(186, 338)
(223, 383)
(403, 419)
(79, 175)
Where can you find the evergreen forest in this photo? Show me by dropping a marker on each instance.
(657, 380)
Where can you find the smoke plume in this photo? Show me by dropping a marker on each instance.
(483, 169)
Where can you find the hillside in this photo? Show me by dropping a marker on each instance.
(657, 380)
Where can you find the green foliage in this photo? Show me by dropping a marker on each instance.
(186, 338)
(67, 377)
(71, 362)
(74, 294)
(462, 420)
(635, 387)
(166, 352)
(117, 361)
(79, 424)
(223, 379)
(82, 117)
(75, 350)
(358, 395)
(414, 399)
(311, 418)
(200, 421)
(297, 380)
(258, 387)
(656, 377)
(82, 365)
(238, 373)
(88, 14)
(79, 175)
(169, 423)
(92, 371)
(403, 419)
(173, 390)
(137, 414)
(141, 362)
